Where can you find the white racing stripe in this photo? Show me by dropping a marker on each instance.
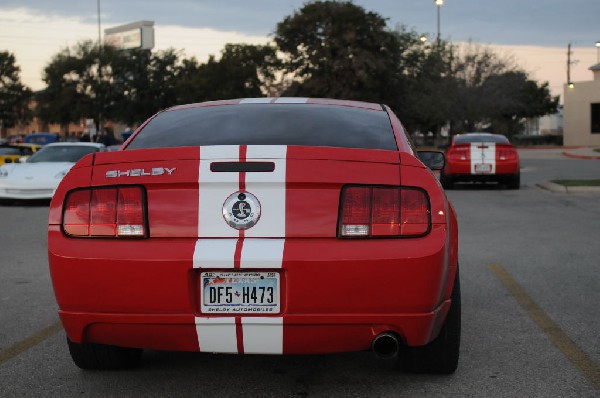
(217, 335)
(480, 156)
(263, 335)
(262, 246)
(269, 188)
(213, 189)
(262, 253)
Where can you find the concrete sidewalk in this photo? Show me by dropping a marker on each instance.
(581, 153)
(550, 186)
(558, 152)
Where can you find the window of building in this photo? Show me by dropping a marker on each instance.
(595, 118)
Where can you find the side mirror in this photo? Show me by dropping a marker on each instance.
(434, 160)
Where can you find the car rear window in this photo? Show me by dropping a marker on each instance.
(466, 139)
(62, 153)
(270, 124)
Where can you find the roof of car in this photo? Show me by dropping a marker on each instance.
(94, 144)
(284, 100)
(478, 134)
(479, 137)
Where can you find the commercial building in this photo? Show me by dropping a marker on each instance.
(582, 111)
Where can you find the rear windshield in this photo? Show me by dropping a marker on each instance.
(271, 124)
(62, 153)
(466, 139)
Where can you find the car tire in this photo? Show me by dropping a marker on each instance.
(440, 356)
(104, 357)
(514, 182)
(446, 181)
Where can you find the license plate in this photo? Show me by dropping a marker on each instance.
(483, 168)
(239, 292)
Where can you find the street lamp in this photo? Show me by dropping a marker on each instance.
(439, 4)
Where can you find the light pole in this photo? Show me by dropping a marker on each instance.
(98, 99)
(598, 51)
(439, 4)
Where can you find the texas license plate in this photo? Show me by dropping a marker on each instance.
(483, 168)
(239, 292)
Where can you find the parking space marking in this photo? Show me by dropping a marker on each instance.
(31, 341)
(551, 329)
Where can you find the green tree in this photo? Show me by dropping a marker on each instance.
(109, 84)
(144, 82)
(430, 88)
(243, 70)
(338, 50)
(516, 98)
(493, 94)
(14, 96)
(79, 84)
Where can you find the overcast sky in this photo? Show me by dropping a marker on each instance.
(37, 29)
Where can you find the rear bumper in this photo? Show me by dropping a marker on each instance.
(290, 334)
(26, 193)
(463, 169)
(336, 295)
(481, 177)
(11, 189)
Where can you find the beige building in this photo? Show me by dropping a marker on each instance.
(582, 112)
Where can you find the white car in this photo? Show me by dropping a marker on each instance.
(39, 176)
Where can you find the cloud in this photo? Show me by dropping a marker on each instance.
(35, 37)
(200, 43)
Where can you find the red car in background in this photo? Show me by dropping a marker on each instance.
(258, 226)
(481, 157)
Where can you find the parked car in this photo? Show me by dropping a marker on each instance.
(11, 153)
(258, 226)
(41, 138)
(43, 171)
(481, 157)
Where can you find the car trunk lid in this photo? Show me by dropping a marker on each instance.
(298, 188)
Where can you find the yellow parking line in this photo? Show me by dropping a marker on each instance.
(559, 338)
(34, 339)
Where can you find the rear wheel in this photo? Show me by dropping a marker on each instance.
(514, 182)
(441, 355)
(104, 357)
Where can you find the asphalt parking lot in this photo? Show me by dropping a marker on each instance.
(530, 282)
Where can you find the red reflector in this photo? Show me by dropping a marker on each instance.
(507, 153)
(460, 153)
(76, 220)
(103, 221)
(415, 212)
(384, 212)
(105, 212)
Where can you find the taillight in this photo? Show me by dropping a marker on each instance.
(506, 153)
(459, 153)
(368, 211)
(105, 212)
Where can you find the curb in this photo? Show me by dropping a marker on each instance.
(543, 147)
(570, 155)
(550, 186)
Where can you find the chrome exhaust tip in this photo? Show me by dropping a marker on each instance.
(386, 345)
